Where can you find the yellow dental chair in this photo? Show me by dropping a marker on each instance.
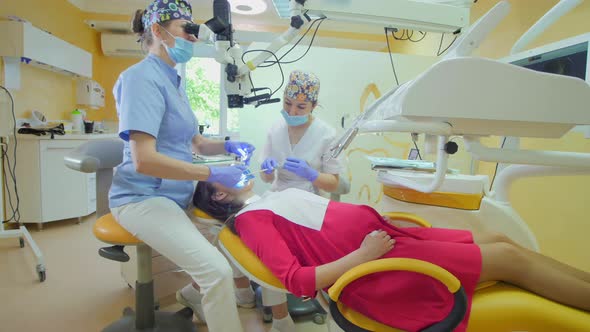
(496, 306)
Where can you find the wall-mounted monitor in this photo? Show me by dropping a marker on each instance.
(568, 57)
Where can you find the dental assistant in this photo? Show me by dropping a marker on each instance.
(297, 150)
(152, 187)
(297, 155)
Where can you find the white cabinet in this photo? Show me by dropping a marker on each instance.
(47, 189)
(34, 46)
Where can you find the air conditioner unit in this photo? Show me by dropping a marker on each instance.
(422, 15)
(123, 45)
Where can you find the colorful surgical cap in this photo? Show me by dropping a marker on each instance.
(165, 10)
(303, 86)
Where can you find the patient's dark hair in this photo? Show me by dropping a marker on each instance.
(203, 199)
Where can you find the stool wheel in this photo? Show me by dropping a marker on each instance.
(319, 319)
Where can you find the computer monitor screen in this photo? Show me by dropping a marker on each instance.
(570, 61)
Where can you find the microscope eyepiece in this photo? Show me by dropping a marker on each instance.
(192, 28)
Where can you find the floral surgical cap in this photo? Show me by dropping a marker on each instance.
(165, 10)
(303, 86)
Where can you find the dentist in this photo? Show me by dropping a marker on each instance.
(153, 185)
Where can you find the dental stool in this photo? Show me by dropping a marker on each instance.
(101, 156)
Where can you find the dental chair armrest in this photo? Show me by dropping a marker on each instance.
(409, 217)
(394, 264)
(95, 155)
(81, 163)
(403, 264)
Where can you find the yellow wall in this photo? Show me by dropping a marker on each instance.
(51, 93)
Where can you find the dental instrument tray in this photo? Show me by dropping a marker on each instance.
(384, 163)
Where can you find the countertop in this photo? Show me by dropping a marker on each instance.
(69, 136)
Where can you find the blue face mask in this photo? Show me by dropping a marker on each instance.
(294, 120)
(182, 51)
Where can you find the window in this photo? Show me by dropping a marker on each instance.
(203, 89)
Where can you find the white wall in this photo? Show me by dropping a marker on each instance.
(344, 76)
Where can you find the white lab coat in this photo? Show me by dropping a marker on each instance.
(313, 147)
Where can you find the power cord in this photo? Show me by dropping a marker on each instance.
(414, 139)
(11, 168)
(271, 63)
(442, 36)
(278, 59)
(389, 50)
(496, 169)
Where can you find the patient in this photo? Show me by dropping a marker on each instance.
(308, 242)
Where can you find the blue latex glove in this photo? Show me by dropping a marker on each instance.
(301, 168)
(268, 165)
(228, 176)
(241, 149)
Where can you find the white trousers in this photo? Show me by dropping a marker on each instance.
(163, 225)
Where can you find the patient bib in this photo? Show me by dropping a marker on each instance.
(298, 206)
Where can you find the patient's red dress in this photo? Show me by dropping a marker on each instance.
(404, 300)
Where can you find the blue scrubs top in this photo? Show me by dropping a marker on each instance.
(150, 99)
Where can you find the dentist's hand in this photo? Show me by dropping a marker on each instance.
(228, 176)
(301, 168)
(241, 149)
(269, 165)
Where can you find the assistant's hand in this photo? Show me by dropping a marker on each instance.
(228, 176)
(376, 244)
(268, 165)
(242, 149)
(301, 168)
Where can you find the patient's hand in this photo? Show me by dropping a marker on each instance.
(376, 244)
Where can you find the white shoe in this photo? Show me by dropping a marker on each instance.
(194, 305)
(245, 298)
